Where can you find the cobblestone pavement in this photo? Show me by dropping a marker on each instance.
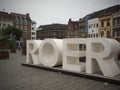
(13, 76)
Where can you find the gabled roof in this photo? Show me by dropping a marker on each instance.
(4, 16)
(11, 16)
(21, 15)
(53, 27)
(96, 14)
(73, 22)
(110, 10)
(104, 12)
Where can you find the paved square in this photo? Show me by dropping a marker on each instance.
(14, 76)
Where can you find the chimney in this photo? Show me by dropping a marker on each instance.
(69, 19)
(28, 14)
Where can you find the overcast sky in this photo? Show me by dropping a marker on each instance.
(55, 11)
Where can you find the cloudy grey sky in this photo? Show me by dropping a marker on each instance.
(55, 11)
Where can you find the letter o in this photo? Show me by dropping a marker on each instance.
(50, 52)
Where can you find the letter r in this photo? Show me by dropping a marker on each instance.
(102, 52)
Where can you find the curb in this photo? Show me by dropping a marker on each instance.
(84, 75)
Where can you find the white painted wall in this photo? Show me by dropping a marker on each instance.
(93, 28)
(33, 30)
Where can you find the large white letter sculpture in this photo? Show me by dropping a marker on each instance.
(103, 51)
(100, 54)
(71, 54)
(32, 51)
(50, 52)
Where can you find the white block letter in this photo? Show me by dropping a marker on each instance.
(102, 51)
(50, 52)
(32, 51)
(72, 53)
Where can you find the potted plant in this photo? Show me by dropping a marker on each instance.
(13, 46)
(13, 34)
(4, 46)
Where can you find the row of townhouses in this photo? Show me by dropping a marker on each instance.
(20, 21)
(102, 23)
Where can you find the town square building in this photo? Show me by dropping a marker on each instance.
(51, 31)
(33, 30)
(23, 22)
(105, 21)
(76, 29)
(5, 20)
(116, 26)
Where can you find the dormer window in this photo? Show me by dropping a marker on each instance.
(40, 28)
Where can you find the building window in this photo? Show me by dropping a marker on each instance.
(96, 35)
(33, 38)
(108, 34)
(89, 35)
(115, 22)
(20, 18)
(108, 22)
(24, 18)
(89, 26)
(118, 21)
(102, 33)
(33, 33)
(96, 25)
(115, 34)
(92, 30)
(102, 23)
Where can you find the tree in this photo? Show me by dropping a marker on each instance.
(12, 32)
(4, 40)
(9, 35)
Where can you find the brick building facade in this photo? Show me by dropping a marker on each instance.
(22, 22)
(51, 31)
(5, 20)
(75, 29)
